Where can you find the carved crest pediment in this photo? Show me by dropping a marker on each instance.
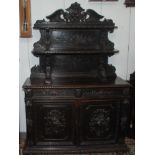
(76, 17)
(75, 14)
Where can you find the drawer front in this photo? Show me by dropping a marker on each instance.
(81, 92)
(54, 122)
(99, 121)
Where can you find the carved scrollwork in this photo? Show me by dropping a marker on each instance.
(36, 69)
(56, 16)
(92, 16)
(106, 72)
(44, 43)
(73, 14)
(39, 47)
(76, 14)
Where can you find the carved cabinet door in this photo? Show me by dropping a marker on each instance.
(54, 122)
(99, 121)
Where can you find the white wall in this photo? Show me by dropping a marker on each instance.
(123, 37)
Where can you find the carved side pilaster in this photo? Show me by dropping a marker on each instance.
(28, 105)
(124, 116)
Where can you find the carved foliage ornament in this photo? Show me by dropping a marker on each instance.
(75, 13)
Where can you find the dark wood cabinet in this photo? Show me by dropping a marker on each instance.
(75, 103)
(67, 117)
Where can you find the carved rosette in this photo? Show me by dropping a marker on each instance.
(99, 122)
(54, 122)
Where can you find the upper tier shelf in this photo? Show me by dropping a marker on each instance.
(73, 51)
(74, 31)
(106, 24)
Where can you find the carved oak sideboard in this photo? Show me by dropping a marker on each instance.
(76, 118)
(75, 103)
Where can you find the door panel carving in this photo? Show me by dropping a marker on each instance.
(54, 122)
(99, 121)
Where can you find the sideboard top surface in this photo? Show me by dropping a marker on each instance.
(40, 84)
